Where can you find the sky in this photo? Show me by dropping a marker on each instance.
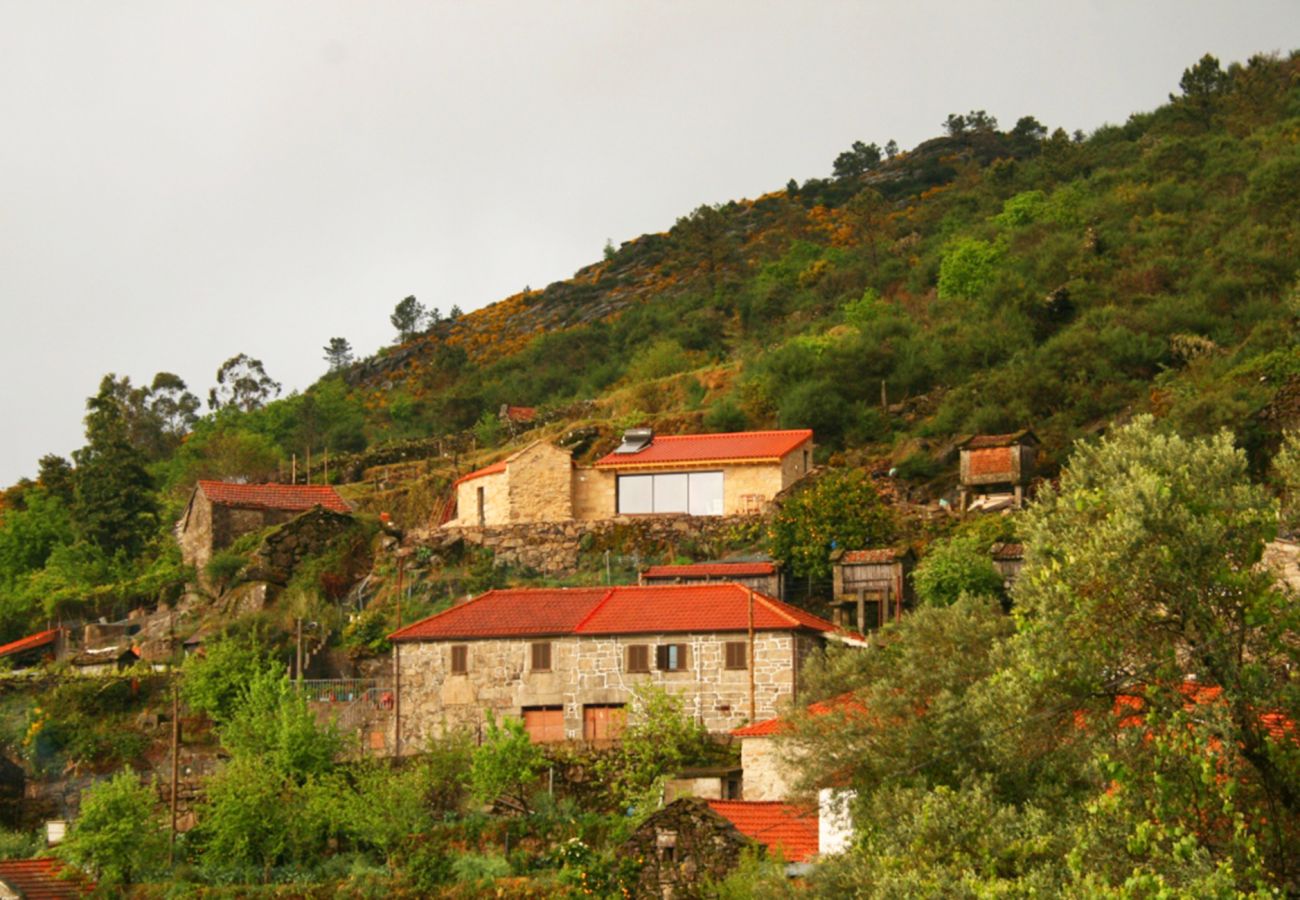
(182, 181)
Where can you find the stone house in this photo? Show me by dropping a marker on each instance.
(769, 768)
(996, 469)
(219, 512)
(567, 661)
(764, 577)
(691, 474)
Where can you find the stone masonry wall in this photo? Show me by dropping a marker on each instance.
(587, 670)
(539, 480)
(496, 502)
(767, 775)
(555, 547)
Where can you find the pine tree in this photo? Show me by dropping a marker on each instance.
(115, 507)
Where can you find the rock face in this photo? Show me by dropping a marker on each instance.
(554, 548)
(283, 549)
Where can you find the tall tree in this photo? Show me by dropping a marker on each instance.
(859, 159)
(338, 353)
(407, 317)
(242, 382)
(114, 508)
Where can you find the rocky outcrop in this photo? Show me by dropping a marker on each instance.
(285, 548)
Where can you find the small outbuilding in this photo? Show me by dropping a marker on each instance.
(760, 575)
(1008, 559)
(996, 469)
(871, 587)
(681, 845)
(219, 512)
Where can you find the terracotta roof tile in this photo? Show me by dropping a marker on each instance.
(735, 447)
(30, 642)
(633, 609)
(711, 570)
(479, 473)
(294, 497)
(985, 441)
(779, 826)
(38, 879)
(521, 413)
(1008, 552)
(846, 702)
(516, 612)
(873, 557)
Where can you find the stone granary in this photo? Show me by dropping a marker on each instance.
(648, 474)
(219, 512)
(567, 661)
(1008, 559)
(871, 587)
(996, 469)
(759, 575)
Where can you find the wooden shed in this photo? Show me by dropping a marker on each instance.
(997, 466)
(763, 576)
(871, 587)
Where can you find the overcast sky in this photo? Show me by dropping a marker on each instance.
(181, 182)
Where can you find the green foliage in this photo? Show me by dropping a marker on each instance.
(115, 507)
(242, 384)
(223, 567)
(86, 723)
(366, 633)
(968, 269)
(953, 567)
(488, 430)
(839, 509)
(756, 877)
(271, 722)
(116, 835)
(479, 871)
(20, 844)
(659, 740)
(407, 317)
(507, 764)
(214, 680)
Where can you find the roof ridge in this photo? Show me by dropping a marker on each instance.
(708, 434)
(577, 629)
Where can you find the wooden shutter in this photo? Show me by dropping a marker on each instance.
(670, 657)
(638, 658)
(542, 656)
(736, 655)
(459, 659)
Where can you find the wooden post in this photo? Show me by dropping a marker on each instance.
(884, 398)
(299, 657)
(325, 479)
(401, 565)
(309, 463)
(176, 768)
(862, 610)
(397, 699)
(293, 470)
(750, 661)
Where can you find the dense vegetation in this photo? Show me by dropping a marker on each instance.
(985, 280)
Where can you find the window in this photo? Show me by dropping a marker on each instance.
(459, 659)
(735, 655)
(697, 493)
(670, 657)
(544, 724)
(541, 656)
(638, 658)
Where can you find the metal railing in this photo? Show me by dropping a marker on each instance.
(375, 691)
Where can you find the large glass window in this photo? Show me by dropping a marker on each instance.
(697, 493)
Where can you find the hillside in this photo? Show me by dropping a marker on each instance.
(1138, 284)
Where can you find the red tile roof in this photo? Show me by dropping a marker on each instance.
(479, 473)
(846, 702)
(633, 609)
(984, 441)
(1008, 552)
(696, 449)
(779, 826)
(38, 879)
(30, 642)
(873, 557)
(711, 570)
(521, 413)
(294, 497)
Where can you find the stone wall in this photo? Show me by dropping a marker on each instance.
(539, 481)
(194, 532)
(588, 670)
(767, 776)
(285, 548)
(496, 500)
(680, 846)
(555, 547)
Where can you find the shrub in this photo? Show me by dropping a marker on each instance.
(840, 509)
(959, 565)
(115, 835)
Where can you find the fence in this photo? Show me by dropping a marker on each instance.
(377, 692)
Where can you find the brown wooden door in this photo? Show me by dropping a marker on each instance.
(603, 723)
(545, 725)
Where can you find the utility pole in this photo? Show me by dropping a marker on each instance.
(299, 641)
(293, 470)
(750, 661)
(176, 765)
